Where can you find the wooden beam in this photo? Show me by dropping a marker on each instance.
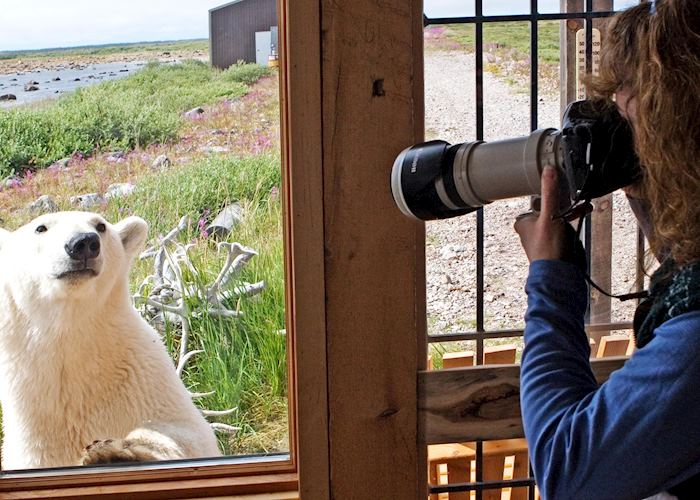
(601, 217)
(479, 403)
(374, 267)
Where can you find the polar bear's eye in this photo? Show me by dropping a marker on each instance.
(41, 229)
(101, 228)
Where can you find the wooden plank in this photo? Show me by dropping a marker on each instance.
(374, 268)
(613, 345)
(601, 217)
(601, 226)
(500, 354)
(301, 134)
(458, 359)
(480, 403)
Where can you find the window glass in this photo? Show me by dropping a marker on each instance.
(163, 115)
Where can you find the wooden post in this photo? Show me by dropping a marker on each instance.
(372, 108)
(352, 99)
(601, 217)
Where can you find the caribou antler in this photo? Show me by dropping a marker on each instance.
(169, 291)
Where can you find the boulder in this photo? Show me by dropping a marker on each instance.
(194, 112)
(119, 190)
(43, 205)
(116, 156)
(87, 201)
(8, 97)
(214, 149)
(30, 88)
(162, 162)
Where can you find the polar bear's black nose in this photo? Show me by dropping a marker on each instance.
(83, 246)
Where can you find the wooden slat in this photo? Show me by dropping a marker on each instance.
(479, 403)
(613, 345)
(374, 268)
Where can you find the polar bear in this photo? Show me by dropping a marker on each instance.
(83, 378)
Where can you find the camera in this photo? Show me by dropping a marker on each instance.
(593, 153)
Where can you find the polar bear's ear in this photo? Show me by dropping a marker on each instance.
(133, 232)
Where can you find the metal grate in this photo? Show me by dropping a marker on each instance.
(480, 333)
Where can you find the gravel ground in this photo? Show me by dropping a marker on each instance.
(451, 243)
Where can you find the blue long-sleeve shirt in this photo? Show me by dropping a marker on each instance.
(635, 435)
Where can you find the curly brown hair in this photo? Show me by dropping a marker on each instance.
(655, 54)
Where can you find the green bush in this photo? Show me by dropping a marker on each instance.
(142, 109)
(245, 73)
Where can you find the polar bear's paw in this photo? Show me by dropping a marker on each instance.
(117, 450)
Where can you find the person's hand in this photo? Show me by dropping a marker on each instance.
(542, 236)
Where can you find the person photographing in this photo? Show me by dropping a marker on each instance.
(638, 434)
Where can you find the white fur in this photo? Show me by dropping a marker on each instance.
(78, 364)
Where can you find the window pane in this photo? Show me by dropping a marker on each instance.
(105, 117)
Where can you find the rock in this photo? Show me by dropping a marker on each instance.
(116, 156)
(161, 163)
(87, 201)
(43, 205)
(62, 163)
(119, 190)
(8, 97)
(214, 149)
(225, 221)
(194, 112)
(30, 88)
(447, 253)
(76, 80)
(56, 79)
(11, 182)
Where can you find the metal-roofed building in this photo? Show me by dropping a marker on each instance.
(240, 30)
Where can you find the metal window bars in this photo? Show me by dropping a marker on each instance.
(480, 333)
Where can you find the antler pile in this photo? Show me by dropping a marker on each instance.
(169, 298)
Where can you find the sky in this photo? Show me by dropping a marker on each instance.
(35, 24)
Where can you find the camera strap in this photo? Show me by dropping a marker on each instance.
(621, 297)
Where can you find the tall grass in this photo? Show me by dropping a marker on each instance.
(244, 359)
(134, 112)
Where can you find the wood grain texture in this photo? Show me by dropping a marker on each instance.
(374, 267)
(480, 403)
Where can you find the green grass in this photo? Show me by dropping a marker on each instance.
(143, 109)
(513, 36)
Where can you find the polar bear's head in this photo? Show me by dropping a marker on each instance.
(68, 255)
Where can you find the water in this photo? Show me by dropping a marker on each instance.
(50, 88)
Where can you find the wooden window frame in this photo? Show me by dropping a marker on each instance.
(351, 98)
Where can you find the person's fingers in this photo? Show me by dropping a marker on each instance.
(550, 193)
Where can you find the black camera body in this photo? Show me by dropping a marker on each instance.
(593, 152)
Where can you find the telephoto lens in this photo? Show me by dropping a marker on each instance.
(593, 152)
(436, 180)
